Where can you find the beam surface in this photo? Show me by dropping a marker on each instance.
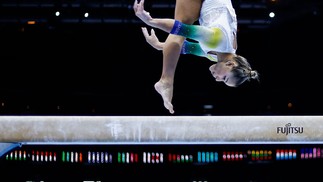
(161, 128)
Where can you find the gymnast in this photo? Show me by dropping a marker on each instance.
(215, 38)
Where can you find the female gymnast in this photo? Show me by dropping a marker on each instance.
(214, 38)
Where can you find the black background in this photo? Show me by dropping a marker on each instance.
(58, 68)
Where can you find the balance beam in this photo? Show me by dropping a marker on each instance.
(161, 128)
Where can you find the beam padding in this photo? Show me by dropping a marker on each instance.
(160, 128)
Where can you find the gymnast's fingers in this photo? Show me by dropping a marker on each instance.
(152, 32)
(135, 5)
(144, 31)
(140, 6)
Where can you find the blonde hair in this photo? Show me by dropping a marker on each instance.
(243, 71)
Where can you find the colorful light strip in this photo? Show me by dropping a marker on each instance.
(311, 153)
(180, 158)
(207, 157)
(152, 157)
(127, 157)
(286, 154)
(260, 155)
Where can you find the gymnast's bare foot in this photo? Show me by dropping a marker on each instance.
(166, 91)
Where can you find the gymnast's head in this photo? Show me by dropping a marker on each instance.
(234, 71)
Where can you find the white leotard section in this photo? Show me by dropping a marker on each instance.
(220, 14)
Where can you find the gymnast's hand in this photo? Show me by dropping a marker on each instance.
(152, 39)
(140, 12)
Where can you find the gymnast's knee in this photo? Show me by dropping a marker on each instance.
(189, 21)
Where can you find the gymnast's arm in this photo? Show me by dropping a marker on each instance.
(152, 39)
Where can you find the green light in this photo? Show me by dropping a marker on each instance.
(63, 156)
(119, 157)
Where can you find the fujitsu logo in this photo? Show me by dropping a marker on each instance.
(289, 129)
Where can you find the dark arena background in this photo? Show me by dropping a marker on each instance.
(77, 98)
(101, 65)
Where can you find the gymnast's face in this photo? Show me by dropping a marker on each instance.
(221, 71)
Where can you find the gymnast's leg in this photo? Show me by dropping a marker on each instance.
(186, 11)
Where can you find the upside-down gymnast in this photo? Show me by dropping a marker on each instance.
(214, 38)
